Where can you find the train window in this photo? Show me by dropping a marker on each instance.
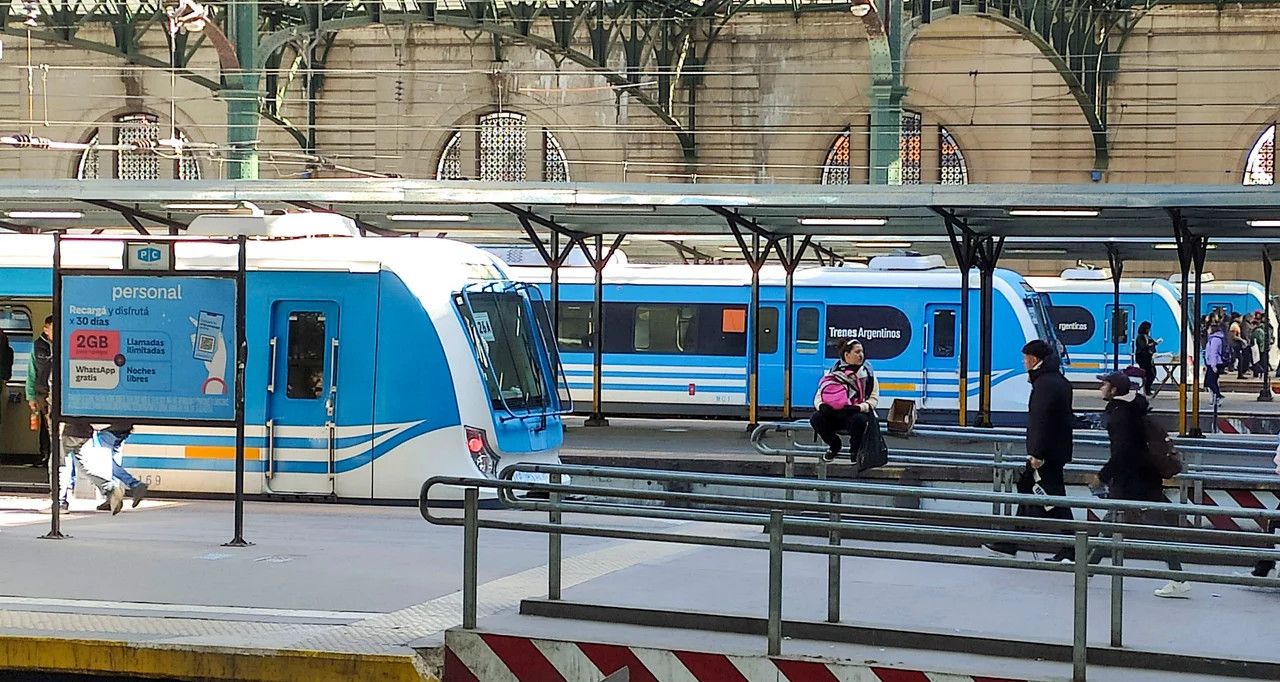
(768, 330)
(665, 328)
(1120, 325)
(944, 333)
(305, 378)
(16, 323)
(576, 330)
(807, 331)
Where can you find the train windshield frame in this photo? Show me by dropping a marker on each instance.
(1038, 305)
(503, 330)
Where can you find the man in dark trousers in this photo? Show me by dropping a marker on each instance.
(1049, 440)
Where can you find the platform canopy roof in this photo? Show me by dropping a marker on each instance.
(1082, 219)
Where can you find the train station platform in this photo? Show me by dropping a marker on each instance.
(340, 592)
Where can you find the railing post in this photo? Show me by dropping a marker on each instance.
(1117, 589)
(789, 472)
(1198, 458)
(554, 553)
(470, 554)
(997, 476)
(1080, 636)
(774, 629)
(833, 560)
(1184, 496)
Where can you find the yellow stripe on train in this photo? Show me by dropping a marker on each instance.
(217, 452)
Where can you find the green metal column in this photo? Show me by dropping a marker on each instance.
(886, 94)
(241, 92)
(886, 134)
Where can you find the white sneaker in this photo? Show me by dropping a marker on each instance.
(1175, 590)
(116, 498)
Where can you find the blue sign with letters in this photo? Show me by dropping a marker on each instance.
(148, 347)
(149, 255)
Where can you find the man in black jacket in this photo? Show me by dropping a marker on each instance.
(1049, 439)
(1129, 473)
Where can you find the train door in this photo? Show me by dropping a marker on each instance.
(302, 398)
(1120, 329)
(808, 354)
(771, 356)
(941, 354)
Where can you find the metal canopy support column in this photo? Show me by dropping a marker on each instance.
(790, 260)
(1117, 271)
(1191, 253)
(1264, 353)
(553, 258)
(598, 261)
(988, 252)
(755, 256)
(965, 248)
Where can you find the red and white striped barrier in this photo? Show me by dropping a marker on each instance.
(1240, 499)
(486, 657)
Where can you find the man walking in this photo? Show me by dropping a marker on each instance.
(113, 438)
(1049, 440)
(1129, 473)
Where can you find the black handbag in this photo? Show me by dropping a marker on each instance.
(873, 452)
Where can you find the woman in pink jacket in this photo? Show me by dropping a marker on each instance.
(846, 400)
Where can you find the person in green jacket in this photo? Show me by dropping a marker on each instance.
(40, 376)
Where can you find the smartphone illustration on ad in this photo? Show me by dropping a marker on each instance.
(208, 329)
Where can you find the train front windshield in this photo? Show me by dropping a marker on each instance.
(503, 331)
(1038, 306)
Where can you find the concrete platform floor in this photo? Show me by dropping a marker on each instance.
(380, 581)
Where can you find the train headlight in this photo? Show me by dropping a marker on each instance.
(485, 459)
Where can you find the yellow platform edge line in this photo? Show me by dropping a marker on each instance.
(175, 661)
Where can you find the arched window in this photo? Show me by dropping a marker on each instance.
(836, 169)
(909, 147)
(952, 170)
(1260, 168)
(134, 165)
(952, 167)
(502, 149)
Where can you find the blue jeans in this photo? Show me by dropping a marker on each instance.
(118, 472)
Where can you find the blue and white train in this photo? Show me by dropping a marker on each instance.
(1083, 313)
(675, 336)
(373, 364)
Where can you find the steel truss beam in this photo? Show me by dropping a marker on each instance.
(1081, 38)
(642, 32)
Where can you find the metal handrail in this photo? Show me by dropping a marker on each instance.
(1218, 446)
(782, 514)
(1195, 471)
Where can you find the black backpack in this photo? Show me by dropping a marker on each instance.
(1160, 450)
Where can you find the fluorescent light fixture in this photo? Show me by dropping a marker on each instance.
(1036, 251)
(210, 206)
(46, 215)
(429, 217)
(608, 209)
(1171, 247)
(843, 222)
(1264, 223)
(679, 237)
(1055, 212)
(882, 245)
(732, 249)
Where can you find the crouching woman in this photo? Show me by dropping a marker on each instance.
(846, 400)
